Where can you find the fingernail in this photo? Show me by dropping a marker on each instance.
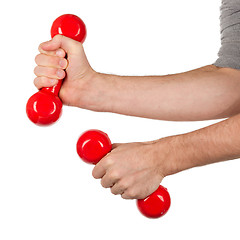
(59, 53)
(62, 63)
(60, 73)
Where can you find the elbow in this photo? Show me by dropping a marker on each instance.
(229, 93)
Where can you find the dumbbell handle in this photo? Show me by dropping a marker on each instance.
(54, 90)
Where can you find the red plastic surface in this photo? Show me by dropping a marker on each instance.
(70, 26)
(156, 205)
(44, 107)
(93, 145)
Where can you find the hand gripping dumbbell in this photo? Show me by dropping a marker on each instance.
(45, 107)
(93, 145)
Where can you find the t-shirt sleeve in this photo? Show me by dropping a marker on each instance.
(229, 53)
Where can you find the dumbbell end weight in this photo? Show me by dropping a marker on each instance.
(93, 145)
(156, 205)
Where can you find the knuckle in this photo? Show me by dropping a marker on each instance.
(41, 80)
(114, 191)
(36, 81)
(37, 58)
(131, 194)
(40, 47)
(35, 70)
(108, 161)
(114, 174)
(94, 173)
(103, 183)
(123, 184)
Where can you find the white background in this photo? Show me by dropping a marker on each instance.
(46, 191)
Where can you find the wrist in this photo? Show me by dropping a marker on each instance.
(108, 91)
(94, 92)
(171, 152)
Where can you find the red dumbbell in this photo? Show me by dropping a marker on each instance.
(45, 107)
(93, 145)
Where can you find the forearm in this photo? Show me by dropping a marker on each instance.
(201, 94)
(216, 143)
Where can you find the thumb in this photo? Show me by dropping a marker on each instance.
(69, 45)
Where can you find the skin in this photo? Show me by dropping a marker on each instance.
(135, 170)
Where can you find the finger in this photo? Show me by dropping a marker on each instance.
(139, 187)
(110, 178)
(41, 82)
(137, 192)
(119, 187)
(60, 41)
(58, 52)
(49, 72)
(130, 193)
(101, 168)
(51, 61)
(128, 187)
(98, 171)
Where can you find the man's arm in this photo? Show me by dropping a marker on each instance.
(201, 94)
(209, 92)
(135, 170)
(216, 143)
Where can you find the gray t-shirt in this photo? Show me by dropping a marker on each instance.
(229, 53)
